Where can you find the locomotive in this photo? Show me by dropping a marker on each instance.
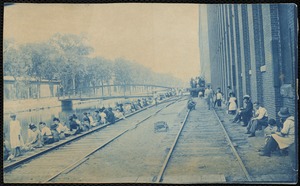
(197, 85)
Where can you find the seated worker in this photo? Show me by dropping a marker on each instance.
(86, 123)
(62, 129)
(145, 103)
(110, 116)
(92, 122)
(191, 104)
(54, 132)
(284, 138)
(260, 119)
(97, 118)
(34, 139)
(120, 107)
(6, 152)
(270, 129)
(245, 114)
(74, 126)
(103, 116)
(118, 114)
(46, 134)
(78, 122)
(139, 104)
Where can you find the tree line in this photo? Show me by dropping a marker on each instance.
(66, 57)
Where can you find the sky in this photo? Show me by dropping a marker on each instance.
(163, 37)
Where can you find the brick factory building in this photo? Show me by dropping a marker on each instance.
(253, 48)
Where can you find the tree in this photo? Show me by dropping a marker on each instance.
(41, 58)
(72, 48)
(100, 72)
(16, 65)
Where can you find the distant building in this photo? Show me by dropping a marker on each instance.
(203, 44)
(253, 48)
(28, 88)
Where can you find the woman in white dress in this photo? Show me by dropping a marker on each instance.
(232, 104)
(15, 136)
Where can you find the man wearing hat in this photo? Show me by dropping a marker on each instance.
(245, 114)
(285, 137)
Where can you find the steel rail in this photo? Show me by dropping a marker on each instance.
(85, 157)
(15, 164)
(165, 164)
(233, 149)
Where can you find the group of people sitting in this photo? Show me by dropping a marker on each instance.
(43, 134)
(277, 134)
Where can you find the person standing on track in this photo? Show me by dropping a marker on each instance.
(208, 96)
(15, 136)
(218, 100)
(155, 97)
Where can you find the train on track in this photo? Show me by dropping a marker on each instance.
(197, 86)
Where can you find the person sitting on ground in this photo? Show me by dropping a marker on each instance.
(62, 129)
(268, 131)
(133, 107)
(103, 116)
(232, 104)
(260, 119)
(97, 117)
(74, 126)
(75, 118)
(139, 104)
(92, 122)
(191, 104)
(145, 103)
(54, 132)
(121, 109)
(284, 138)
(118, 114)
(111, 116)
(46, 134)
(245, 114)
(272, 128)
(34, 139)
(6, 152)
(127, 108)
(86, 122)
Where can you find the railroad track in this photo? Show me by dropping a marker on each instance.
(65, 157)
(211, 148)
